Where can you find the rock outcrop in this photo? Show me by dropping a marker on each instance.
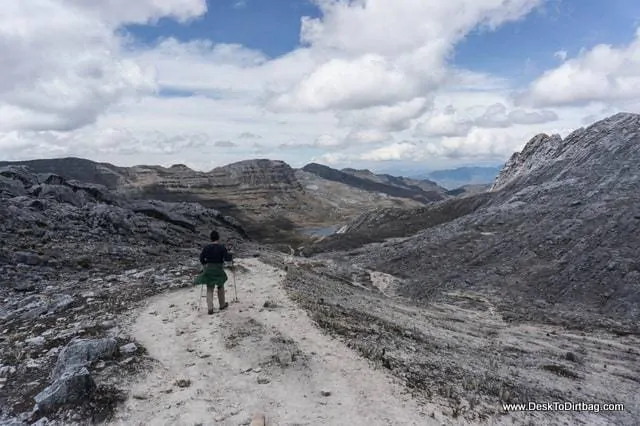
(396, 187)
(554, 241)
(74, 256)
(270, 199)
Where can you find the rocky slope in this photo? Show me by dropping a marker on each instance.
(74, 256)
(424, 192)
(271, 199)
(530, 292)
(554, 241)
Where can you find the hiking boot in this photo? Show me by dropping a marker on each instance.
(210, 312)
(225, 306)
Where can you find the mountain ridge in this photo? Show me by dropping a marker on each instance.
(271, 199)
(553, 229)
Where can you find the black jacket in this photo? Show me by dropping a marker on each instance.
(215, 253)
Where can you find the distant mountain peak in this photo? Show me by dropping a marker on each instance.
(581, 154)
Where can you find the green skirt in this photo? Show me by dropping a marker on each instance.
(212, 275)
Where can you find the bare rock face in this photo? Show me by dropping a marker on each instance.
(81, 353)
(604, 149)
(72, 387)
(392, 186)
(74, 256)
(553, 241)
(270, 199)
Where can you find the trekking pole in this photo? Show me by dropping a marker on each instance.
(235, 289)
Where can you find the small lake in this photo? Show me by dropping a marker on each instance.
(320, 232)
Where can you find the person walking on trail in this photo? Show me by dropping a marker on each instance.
(213, 275)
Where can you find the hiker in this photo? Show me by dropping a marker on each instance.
(213, 275)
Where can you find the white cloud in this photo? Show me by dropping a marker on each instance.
(393, 118)
(445, 123)
(240, 4)
(327, 141)
(67, 64)
(351, 94)
(604, 73)
(225, 144)
(368, 68)
(451, 123)
(396, 151)
(561, 55)
(497, 115)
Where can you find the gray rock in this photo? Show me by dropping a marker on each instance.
(284, 358)
(183, 382)
(36, 341)
(24, 287)
(71, 387)
(62, 302)
(29, 258)
(34, 311)
(12, 422)
(129, 348)
(6, 371)
(81, 353)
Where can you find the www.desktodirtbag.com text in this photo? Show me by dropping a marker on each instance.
(563, 406)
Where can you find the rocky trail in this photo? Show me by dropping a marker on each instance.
(261, 356)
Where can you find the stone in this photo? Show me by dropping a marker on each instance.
(24, 287)
(284, 358)
(183, 382)
(80, 353)
(62, 302)
(325, 393)
(570, 356)
(7, 370)
(129, 348)
(71, 387)
(35, 341)
(263, 380)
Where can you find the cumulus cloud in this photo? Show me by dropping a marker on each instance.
(561, 55)
(396, 151)
(604, 73)
(327, 141)
(225, 144)
(248, 135)
(450, 123)
(497, 116)
(445, 123)
(393, 118)
(350, 88)
(369, 68)
(67, 62)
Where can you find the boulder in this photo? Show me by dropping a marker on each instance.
(72, 387)
(81, 353)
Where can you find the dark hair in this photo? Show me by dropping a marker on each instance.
(215, 236)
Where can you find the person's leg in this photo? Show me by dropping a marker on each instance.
(210, 299)
(223, 304)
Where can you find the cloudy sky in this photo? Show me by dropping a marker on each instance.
(413, 84)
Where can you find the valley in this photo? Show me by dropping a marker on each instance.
(453, 302)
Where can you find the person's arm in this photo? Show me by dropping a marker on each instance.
(202, 258)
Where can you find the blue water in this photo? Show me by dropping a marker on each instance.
(320, 232)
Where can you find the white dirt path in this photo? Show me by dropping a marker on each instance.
(250, 359)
